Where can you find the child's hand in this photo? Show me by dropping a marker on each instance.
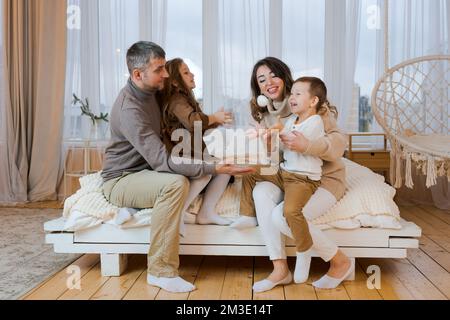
(278, 126)
(295, 141)
(222, 117)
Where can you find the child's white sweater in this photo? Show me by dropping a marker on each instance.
(312, 128)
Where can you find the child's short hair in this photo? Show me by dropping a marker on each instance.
(319, 89)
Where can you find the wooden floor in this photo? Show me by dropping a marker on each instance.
(424, 275)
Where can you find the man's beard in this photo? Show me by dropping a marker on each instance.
(153, 88)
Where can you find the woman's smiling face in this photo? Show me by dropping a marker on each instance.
(270, 85)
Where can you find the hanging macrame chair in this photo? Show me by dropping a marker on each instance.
(411, 102)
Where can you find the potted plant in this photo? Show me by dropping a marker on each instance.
(95, 119)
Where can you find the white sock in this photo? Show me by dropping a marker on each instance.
(327, 282)
(124, 215)
(189, 218)
(244, 222)
(214, 192)
(266, 285)
(175, 285)
(212, 220)
(302, 266)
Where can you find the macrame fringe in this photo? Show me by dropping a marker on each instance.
(429, 166)
(396, 160)
(431, 172)
(441, 171)
(409, 181)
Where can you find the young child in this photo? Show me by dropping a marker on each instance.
(181, 110)
(299, 175)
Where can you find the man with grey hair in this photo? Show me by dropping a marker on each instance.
(139, 173)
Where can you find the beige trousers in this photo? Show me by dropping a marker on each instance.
(298, 189)
(164, 192)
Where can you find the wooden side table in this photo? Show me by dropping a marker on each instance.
(83, 157)
(378, 160)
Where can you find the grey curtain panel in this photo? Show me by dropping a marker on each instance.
(34, 53)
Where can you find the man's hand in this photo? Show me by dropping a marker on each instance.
(295, 141)
(233, 170)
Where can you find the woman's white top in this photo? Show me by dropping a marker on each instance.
(313, 129)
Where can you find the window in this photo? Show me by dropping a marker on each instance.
(366, 73)
(304, 36)
(100, 32)
(184, 37)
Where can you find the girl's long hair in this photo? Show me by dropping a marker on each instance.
(172, 85)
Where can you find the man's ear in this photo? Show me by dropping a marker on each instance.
(137, 75)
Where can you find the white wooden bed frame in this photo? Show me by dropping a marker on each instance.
(113, 244)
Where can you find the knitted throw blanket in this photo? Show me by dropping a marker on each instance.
(367, 193)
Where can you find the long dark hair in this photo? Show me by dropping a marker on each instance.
(281, 70)
(317, 88)
(172, 85)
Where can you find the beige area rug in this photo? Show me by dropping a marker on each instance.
(25, 260)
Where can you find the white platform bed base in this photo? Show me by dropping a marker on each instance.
(113, 244)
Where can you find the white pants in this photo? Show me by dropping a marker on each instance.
(269, 210)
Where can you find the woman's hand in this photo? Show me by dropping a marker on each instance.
(252, 133)
(255, 132)
(222, 117)
(295, 141)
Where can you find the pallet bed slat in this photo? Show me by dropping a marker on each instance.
(113, 243)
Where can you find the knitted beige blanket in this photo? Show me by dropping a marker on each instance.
(367, 193)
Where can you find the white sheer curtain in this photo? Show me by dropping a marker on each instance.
(342, 26)
(152, 21)
(220, 40)
(97, 46)
(184, 37)
(235, 37)
(304, 37)
(313, 37)
(238, 33)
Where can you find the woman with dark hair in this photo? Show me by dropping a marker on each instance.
(272, 79)
(180, 110)
(271, 84)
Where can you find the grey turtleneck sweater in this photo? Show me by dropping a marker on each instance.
(136, 142)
